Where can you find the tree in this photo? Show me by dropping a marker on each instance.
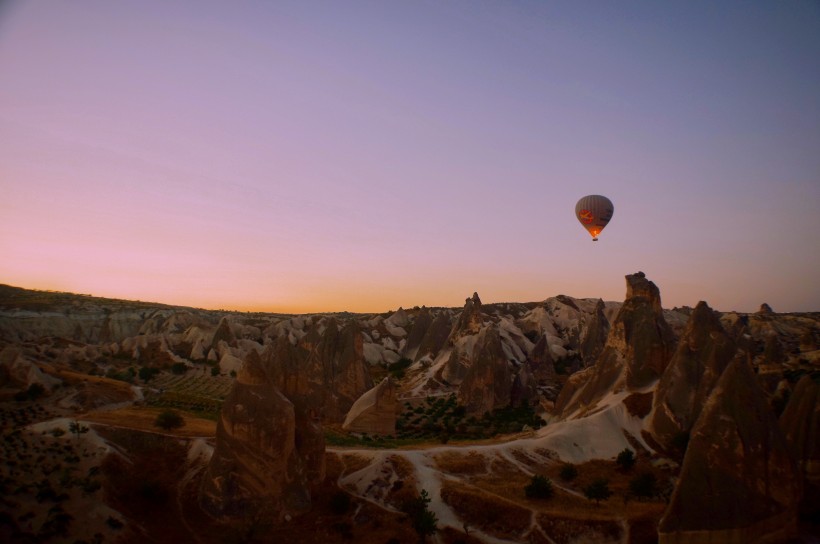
(568, 472)
(626, 459)
(644, 485)
(598, 491)
(421, 518)
(169, 419)
(77, 428)
(540, 487)
(146, 373)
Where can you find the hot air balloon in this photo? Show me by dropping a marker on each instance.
(594, 213)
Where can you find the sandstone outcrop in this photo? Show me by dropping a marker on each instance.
(594, 334)
(738, 483)
(469, 321)
(419, 329)
(375, 411)
(487, 381)
(703, 353)
(18, 373)
(800, 422)
(256, 467)
(435, 337)
(325, 371)
(636, 352)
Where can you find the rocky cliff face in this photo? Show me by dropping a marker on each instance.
(636, 352)
(703, 353)
(800, 422)
(257, 468)
(469, 321)
(375, 411)
(487, 381)
(738, 482)
(325, 371)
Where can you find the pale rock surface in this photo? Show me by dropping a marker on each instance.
(636, 353)
(375, 411)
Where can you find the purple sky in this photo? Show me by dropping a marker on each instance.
(312, 156)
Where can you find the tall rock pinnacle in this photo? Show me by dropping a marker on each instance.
(703, 353)
(738, 482)
(637, 349)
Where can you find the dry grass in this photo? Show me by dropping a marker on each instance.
(457, 462)
(563, 530)
(351, 462)
(141, 418)
(492, 514)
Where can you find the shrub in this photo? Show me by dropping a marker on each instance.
(169, 419)
(146, 373)
(422, 519)
(626, 459)
(77, 428)
(540, 487)
(644, 485)
(598, 491)
(568, 472)
(179, 368)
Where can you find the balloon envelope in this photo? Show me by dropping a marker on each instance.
(594, 213)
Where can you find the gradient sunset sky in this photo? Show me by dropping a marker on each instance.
(324, 156)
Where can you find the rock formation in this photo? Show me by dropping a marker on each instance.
(470, 320)
(325, 371)
(435, 337)
(487, 381)
(636, 352)
(18, 373)
(703, 353)
(256, 468)
(738, 482)
(800, 422)
(595, 333)
(375, 411)
(420, 326)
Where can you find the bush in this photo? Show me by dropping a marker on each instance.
(626, 459)
(540, 487)
(598, 491)
(169, 419)
(568, 472)
(397, 369)
(422, 519)
(179, 368)
(146, 373)
(644, 485)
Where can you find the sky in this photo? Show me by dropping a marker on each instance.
(315, 156)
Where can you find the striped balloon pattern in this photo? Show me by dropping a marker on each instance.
(594, 212)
